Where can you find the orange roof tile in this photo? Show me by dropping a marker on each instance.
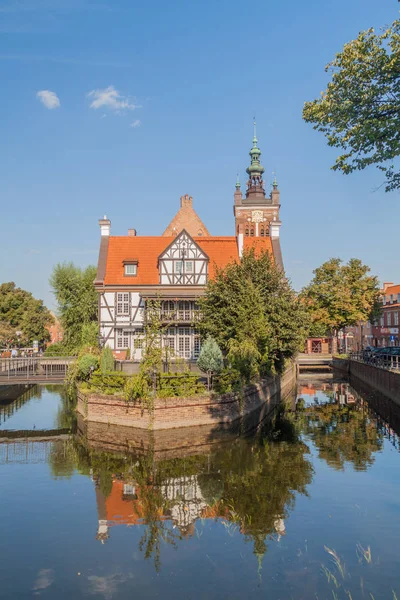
(258, 244)
(393, 289)
(147, 249)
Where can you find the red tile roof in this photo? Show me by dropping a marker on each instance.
(147, 249)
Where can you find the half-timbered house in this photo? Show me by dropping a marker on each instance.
(175, 267)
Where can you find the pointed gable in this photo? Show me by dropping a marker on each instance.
(183, 262)
(186, 218)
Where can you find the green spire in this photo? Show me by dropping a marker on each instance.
(237, 182)
(255, 167)
(275, 183)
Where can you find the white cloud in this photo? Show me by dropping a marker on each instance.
(110, 98)
(48, 98)
(136, 123)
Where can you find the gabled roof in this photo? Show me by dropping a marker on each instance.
(183, 233)
(148, 249)
(186, 218)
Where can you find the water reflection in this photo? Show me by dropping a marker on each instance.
(339, 423)
(302, 505)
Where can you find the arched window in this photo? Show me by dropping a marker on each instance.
(251, 232)
(262, 231)
(247, 233)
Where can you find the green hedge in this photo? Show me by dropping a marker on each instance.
(178, 384)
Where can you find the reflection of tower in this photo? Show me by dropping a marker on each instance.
(102, 531)
(280, 528)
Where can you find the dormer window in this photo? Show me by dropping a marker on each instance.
(130, 268)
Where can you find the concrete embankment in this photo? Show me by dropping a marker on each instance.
(386, 382)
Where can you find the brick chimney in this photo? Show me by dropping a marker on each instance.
(131, 232)
(186, 200)
(387, 284)
(105, 226)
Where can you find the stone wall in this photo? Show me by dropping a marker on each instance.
(199, 410)
(386, 382)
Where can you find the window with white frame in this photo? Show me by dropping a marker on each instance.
(178, 266)
(123, 303)
(122, 339)
(382, 321)
(395, 318)
(389, 319)
(188, 266)
(131, 269)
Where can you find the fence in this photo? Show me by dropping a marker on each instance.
(390, 362)
(32, 368)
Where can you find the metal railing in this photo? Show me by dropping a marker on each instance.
(390, 362)
(31, 368)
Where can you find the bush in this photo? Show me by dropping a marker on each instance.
(107, 362)
(229, 380)
(138, 387)
(178, 384)
(110, 379)
(90, 334)
(86, 364)
(57, 349)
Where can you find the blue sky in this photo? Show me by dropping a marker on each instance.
(156, 100)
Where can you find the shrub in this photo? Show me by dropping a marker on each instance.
(115, 380)
(229, 380)
(57, 349)
(210, 360)
(138, 387)
(86, 364)
(178, 384)
(107, 362)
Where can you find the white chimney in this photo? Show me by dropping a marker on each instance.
(131, 232)
(105, 226)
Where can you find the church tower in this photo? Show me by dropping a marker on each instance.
(257, 214)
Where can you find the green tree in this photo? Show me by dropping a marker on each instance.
(359, 112)
(77, 300)
(340, 295)
(210, 360)
(20, 311)
(250, 309)
(107, 362)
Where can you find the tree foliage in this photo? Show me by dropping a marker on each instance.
(359, 111)
(210, 360)
(254, 315)
(340, 295)
(20, 311)
(76, 298)
(107, 362)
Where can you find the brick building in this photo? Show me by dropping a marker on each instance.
(385, 332)
(175, 266)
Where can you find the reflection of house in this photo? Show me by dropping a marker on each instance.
(183, 503)
(175, 267)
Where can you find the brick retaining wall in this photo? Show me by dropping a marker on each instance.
(171, 413)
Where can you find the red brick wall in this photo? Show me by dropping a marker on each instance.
(184, 412)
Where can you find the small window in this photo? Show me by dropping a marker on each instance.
(262, 232)
(138, 343)
(188, 266)
(247, 233)
(123, 304)
(389, 319)
(122, 339)
(251, 232)
(178, 266)
(131, 269)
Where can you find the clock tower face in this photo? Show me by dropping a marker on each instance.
(257, 216)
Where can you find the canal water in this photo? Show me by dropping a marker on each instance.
(308, 506)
